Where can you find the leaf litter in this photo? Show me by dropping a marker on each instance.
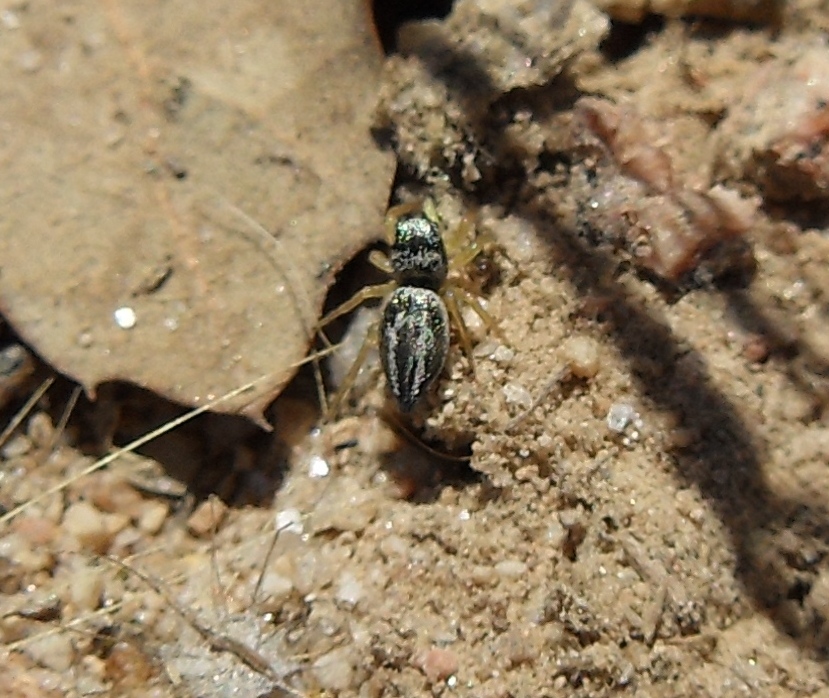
(679, 550)
(141, 143)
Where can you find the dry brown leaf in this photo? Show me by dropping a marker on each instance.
(137, 137)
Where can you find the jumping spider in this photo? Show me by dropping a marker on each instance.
(427, 285)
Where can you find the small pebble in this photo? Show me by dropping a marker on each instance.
(394, 547)
(207, 518)
(526, 247)
(756, 349)
(16, 446)
(503, 354)
(485, 348)
(349, 507)
(127, 666)
(335, 670)
(349, 589)
(819, 594)
(88, 684)
(569, 518)
(438, 663)
(52, 651)
(482, 575)
(511, 569)
(14, 359)
(87, 588)
(318, 467)
(275, 587)
(125, 318)
(556, 535)
(152, 517)
(620, 416)
(37, 530)
(94, 666)
(289, 521)
(379, 439)
(27, 558)
(113, 494)
(11, 576)
(40, 605)
(814, 337)
(126, 541)
(582, 356)
(514, 393)
(519, 647)
(93, 529)
(40, 430)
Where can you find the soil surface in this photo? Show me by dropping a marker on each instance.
(628, 494)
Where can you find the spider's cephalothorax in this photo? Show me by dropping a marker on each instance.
(418, 256)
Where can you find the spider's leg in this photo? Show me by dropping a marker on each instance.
(370, 342)
(396, 212)
(470, 299)
(430, 209)
(364, 294)
(380, 260)
(457, 241)
(457, 319)
(462, 247)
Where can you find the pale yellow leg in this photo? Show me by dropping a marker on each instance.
(396, 212)
(457, 318)
(480, 311)
(379, 260)
(458, 243)
(462, 247)
(369, 343)
(430, 210)
(363, 295)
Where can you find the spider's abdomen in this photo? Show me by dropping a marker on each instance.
(414, 340)
(418, 256)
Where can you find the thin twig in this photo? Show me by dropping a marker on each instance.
(23, 411)
(216, 641)
(142, 440)
(64, 419)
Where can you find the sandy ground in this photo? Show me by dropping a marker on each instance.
(629, 496)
